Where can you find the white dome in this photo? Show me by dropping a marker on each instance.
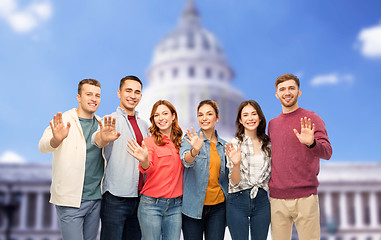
(189, 66)
(188, 43)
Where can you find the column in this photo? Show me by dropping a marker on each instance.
(39, 210)
(328, 207)
(24, 210)
(343, 210)
(359, 217)
(373, 207)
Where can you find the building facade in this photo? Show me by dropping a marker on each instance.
(350, 201)
(349, 195)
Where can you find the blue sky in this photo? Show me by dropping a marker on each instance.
(334, 46)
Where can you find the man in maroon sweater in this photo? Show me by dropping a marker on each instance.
(298, 139)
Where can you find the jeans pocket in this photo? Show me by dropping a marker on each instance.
(111, 199)
(145, 200)
(234, 196)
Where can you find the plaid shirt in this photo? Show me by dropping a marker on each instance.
(248, 180)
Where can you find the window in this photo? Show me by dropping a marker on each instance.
(175, 72)
(221, 76)
(191, 72)
(205, 43)
(31, 215)
(190, 41)
(208, 73)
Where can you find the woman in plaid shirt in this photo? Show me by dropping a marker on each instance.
(249, 161)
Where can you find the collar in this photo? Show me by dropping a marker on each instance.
(219, 140)
(124, 113)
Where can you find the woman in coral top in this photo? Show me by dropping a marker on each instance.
(159, 211)
(205, 177)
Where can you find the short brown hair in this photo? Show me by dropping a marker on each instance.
(88, 81)
(131, 77)
(286, 77)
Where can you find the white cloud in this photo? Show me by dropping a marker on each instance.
(11, 157)
(332, 79)
(27, 19)
(370, 41)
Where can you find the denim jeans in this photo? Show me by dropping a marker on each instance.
(160, 218)
(212, 223)
(119, 218)
(243, 212)
(79, 223)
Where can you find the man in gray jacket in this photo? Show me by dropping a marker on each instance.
(122, 180)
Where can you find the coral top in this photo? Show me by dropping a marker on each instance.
(164, 176)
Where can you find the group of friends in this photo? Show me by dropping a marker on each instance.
(154, 182)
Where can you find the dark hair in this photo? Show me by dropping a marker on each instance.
(211, 103)
(87, 81)
(176, 133)
(131, 77)
(261, 127)
(286, 77)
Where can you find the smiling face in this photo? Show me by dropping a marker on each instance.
(163, 119)
(249, 119)
(89, 100)
(207, 117)
(130, 94)
(288, 92)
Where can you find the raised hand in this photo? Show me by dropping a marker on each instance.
(307, 130)
(59, 130)
(233, 154)
(107, 131)
(138, 152)
(195, 140)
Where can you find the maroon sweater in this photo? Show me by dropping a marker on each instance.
(294, 166)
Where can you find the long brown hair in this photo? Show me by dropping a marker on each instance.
(261, 127)
(176, 133)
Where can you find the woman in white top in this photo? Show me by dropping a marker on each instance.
(247, 205)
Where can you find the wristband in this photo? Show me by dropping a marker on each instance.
(191, 153)
(310, 146)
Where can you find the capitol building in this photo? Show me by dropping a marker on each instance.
(188, 66)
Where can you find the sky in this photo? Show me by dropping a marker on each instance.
(334, 46)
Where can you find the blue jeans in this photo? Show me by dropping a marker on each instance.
(79, 223)
(212, 223)
(243, 212)
(160, 218)
(119, 218)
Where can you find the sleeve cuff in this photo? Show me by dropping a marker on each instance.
(313, 144)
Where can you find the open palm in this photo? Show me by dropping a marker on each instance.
(196, 141)
(59, 130)
(307, 130)
(138, 152)
(107, 131)
(233, 154)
